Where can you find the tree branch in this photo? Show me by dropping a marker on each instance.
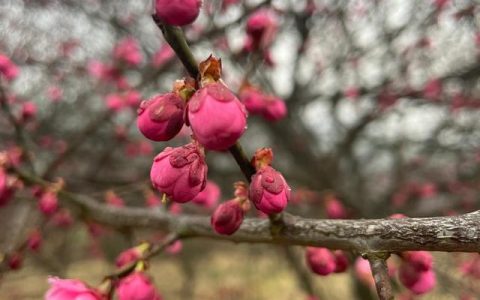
(450, 234)
(378, 265)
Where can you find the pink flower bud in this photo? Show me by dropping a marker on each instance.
(115, 102)
(48, 203)
(34, 241)
(175, 248)
(209, 196)
(180, 173)
(163, 56)
(334, 208)
(128, 256)
(178, 12)
(6, 188)
(218, 119)
(69, 289)
(137, 286)
(262, 27)
(128, 51)
(363, 272)
(419, 282)
(275, 109)
(29, 111)
(269, 191)
(419, 260)
(132, 98)
(62, 218)
(227, 217)
(320, 260)
(152, 200)
(7, 68)
(341, 261)
(253, 99)
(161, 117)
(15, 260)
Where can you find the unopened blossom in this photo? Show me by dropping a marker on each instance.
(217, 118)
(227, 217)
(71, 289)
(63, 218)
(15, 260)
(269, 191)
(128, 51)
(209, 196)
(253, 99)
(416, 271)
(334, 208)
(7, 188)
(178, 12)
(262, 26)
(48, 203)
(132, 98)
(163, 56)
(29, 111)
(130, 255)
(34, 240)
(275, 108)
(180, 173)
(7, 68)
(114, 102)
(137, 286)
(341, 261)
(161, 117)
(175, 248)
(320, 260)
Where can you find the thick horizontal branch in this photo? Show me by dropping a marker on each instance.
(452, 234)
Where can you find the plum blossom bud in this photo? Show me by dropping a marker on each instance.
(320, 260)
(417, 282)
(161, 117)
(114, 102)
(34, 240)
(275, 109)
(217, 118)
(128, 51)
(253, 99)
(15, 260)
(227, 217)
(180, 173)
(48, 203)
(341, 261)
(132, 98)
(175, 247)
(130, 255)
(68, 289)
(163, 56)
(416, 271)
(137, 286)
(29, 111)
(209, 196)
(178, 12)
(6, 187)
(7, 68)
(62, 218)
(262, 27)
(269, 191)
(334, 208)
